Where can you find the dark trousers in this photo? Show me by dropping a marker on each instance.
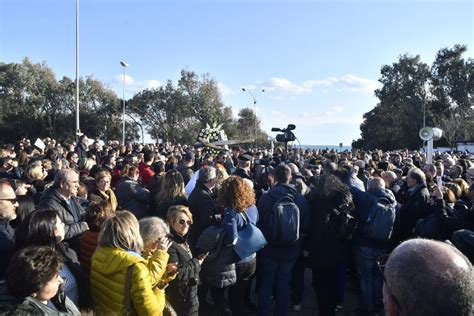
(238, 292)
(297, 281)
(275, 279)
(325, 286)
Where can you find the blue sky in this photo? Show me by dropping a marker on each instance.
(319, 61)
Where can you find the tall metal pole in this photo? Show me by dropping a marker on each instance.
(124, 65)
(78, 129)
(123, 107)
(255, 112)
(424, 113)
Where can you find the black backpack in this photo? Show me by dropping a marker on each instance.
(381, 220)
(281, 226)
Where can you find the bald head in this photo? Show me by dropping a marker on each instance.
(428, 277)
(376, 183)
(294, 169)
(389, 177)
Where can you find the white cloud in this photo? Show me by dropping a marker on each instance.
(153, 83)
(354, 83)
(132, 86)
(128, 79)
(338, 109)
(285, 85)
(226, 91)
(345, 83)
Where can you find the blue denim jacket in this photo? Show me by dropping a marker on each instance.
(233, 222)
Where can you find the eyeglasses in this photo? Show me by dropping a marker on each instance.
(182, 222)
(381, 262)
(13, 201)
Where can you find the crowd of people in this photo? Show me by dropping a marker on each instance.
(158, 229)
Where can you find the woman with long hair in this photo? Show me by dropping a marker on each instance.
(118, 255)
(45, 228)
(327, 247)
(171, 193)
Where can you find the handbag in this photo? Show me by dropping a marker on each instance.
(347, 224)
(250, 239)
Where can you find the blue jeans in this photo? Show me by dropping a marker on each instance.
(370, 277)
(274, 279)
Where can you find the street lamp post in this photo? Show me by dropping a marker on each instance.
(78, 129)
(255, 112)
(124, 65)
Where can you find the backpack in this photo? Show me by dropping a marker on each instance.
(282, 225)
(379, 225)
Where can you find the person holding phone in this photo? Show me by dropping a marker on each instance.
(182, 291)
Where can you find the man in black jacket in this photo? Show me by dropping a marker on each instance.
(415, 205)
(202, 205)
(8, 205)
(61, 197)
(204, 210)
(82, 147)
(277, 259)
(243, 166)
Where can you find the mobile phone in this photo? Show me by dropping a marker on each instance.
(439, 181)
(203, 256)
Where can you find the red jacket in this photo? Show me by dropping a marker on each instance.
(145, 173)
(88, 244)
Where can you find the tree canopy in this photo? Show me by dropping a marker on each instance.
(35, 104)
(443, 91)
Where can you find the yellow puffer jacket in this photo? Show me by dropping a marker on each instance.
(108, 270)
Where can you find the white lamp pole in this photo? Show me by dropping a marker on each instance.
(255, 112)
(78, 129)
(124, 65)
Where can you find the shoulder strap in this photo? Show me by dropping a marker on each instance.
(245, 217)
(128, 283)
(384, 201)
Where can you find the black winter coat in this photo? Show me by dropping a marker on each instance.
(414, 208)
(71, 214)
(182, 291)
(218, 269)
(326, 248)
(6, 246)
(203, 207)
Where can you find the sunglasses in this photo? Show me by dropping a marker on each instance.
(13, 201)
(381, 263)
(182, 222)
